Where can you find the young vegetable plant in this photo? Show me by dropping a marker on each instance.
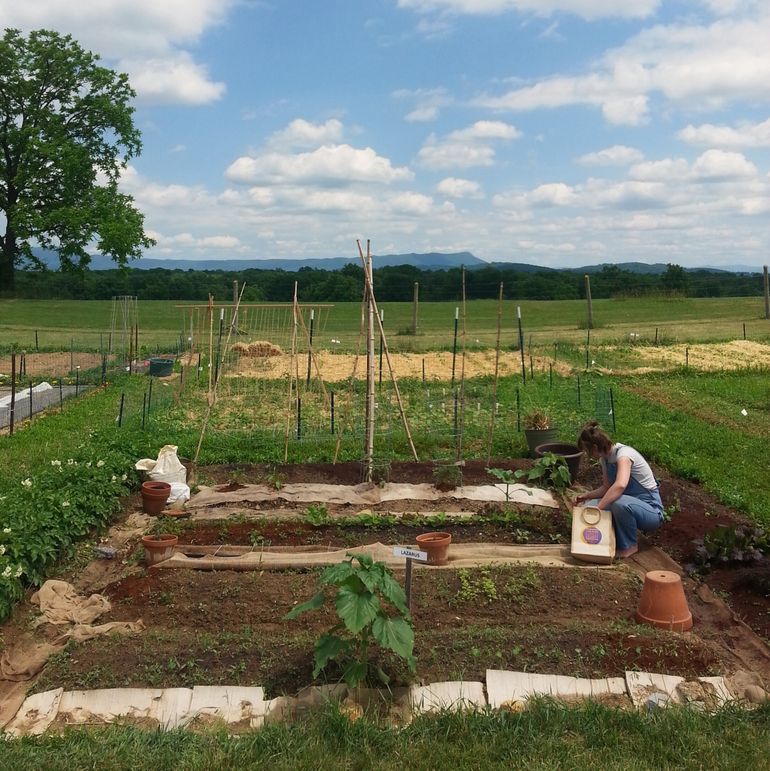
(506, 477)
(371, 607)
(549, 471)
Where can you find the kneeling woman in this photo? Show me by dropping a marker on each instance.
(629, 488)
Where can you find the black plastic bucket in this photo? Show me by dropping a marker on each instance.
(161, 367)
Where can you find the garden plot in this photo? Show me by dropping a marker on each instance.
(229, 628)
(436, 365)
(705, 357)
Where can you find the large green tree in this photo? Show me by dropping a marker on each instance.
(66, 131)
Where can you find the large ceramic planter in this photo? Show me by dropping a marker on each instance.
(436, 545)
(571, 453)
(537, 436)
(154, 497)
(158, 548)
(663, 603)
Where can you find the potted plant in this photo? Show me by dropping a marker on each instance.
(539, 429)
(159, 545)
(436, 545)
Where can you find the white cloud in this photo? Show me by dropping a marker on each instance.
(220, 242)
(722, 165)
(456, 155)
(466, 147)
(302, 133)
(452, 187)
(328, 165)
(587, 9)
(744, 135)
(555, 194)
(145, 38)
(172, 80)
(428, 103)
(665, 170)
(485, 129)
(410, 204)
(691, 66)
(617, 155)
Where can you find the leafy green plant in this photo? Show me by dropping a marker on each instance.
(549, 471)
(274, 478)
(317, 515)
(730, 545)
(371, 607)
(506, 476)
(476, 586)
(447, 476)
(45, 514)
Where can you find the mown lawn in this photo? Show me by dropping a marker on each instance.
(546, 736)
(161, 322)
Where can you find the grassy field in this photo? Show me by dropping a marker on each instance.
(88, 323)
(547, 736)
(690, 422)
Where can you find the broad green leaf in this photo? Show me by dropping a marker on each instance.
(336, 574)
(356, 610)
(364, 560)
(328, 646)
(312, 604)
(394, 593)
(355, 673)
(395, 634)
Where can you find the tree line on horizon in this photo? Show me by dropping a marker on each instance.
(391, 284)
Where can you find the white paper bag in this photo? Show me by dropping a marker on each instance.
(167, 468)
(593, 536)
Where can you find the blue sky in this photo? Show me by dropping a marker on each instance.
(554, 132)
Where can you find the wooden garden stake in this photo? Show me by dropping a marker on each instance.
(367, 278)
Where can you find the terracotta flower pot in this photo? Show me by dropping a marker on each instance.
(154, 496)
(571, 453)
(436, 545)
(662, 602)
(158, 548)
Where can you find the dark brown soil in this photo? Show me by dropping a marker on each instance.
(694, 512)
(228, 628)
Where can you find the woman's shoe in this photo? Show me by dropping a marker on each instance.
(623, 553)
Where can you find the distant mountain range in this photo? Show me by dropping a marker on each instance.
(427, 261)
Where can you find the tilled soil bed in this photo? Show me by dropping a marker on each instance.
(228, 628)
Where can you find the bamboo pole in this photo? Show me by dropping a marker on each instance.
(369, 440)
(390, 365)
(493, 412)
(212, 391)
